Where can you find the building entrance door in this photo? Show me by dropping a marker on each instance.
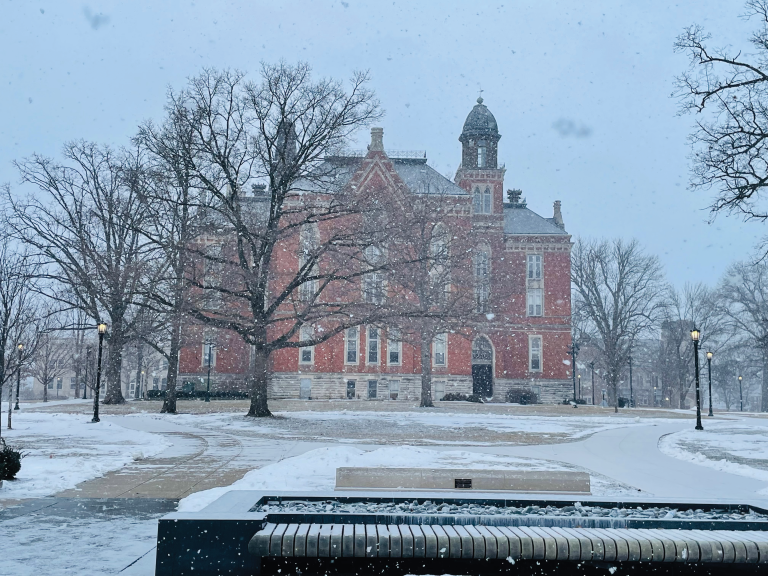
(482, 368)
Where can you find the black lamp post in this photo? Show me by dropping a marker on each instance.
(102, 330)
(208, 385)
(709, 373)
(574, 352)
(741, 397)
(631, 393)
(87, 363)
(579, 377)
(695, 337)
(20, 348)
(592, 365)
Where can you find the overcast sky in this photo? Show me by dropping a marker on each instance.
(581, 91)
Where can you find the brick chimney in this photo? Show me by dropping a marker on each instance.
(558, 216)
(377, 140)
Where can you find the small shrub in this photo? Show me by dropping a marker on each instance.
(455, 397)
(475, 398)
(580, 401)
(10, 461)
(522, 396)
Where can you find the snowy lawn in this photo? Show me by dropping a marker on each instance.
(737, 447)
(63, 450)
(316, 470)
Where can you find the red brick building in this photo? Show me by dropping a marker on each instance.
(522, 329)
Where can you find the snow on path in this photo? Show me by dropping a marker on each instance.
(63, 450)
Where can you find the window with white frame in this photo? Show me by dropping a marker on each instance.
(373, 345)
(482, 279)
(535, 301)
(482, 154)
(308, 242)
(351, 345)
(482, 203)
(439, 350)
(307, 353)
(394, 389)
(209, 354)
(534, 266)
(394, 347)
(438, 389)
(373, 282)
(534, 353)
(213, 271)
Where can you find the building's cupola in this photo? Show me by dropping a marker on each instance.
(479, 139)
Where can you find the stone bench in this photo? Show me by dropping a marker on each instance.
(524, 481)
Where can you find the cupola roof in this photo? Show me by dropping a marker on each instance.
(480, 122)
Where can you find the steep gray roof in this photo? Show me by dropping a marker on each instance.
(525, 221)
(423, 179)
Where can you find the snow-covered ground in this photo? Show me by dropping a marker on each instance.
(62, 450)
(316, 470)
(738, 446)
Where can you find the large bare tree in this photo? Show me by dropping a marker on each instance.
(743, 297)
(277, 132)
(83, 225)
(727, 89)
(618, 294)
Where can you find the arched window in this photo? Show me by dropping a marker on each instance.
(478, 201)
(482, 201)
(482, 279)
(308, 243)
(373, 282)
(482, 152)
(439, 269)
(487, 201)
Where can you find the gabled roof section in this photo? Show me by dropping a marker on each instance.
(526, 222)
(421, 178)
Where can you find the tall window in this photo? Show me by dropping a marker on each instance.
(439, 253)
(482, 152)
(307, 246)
(535, 298)
(394, 347)
(534, 267)
(373, 345)
(534, 353)
(439, 348)
(306, 354)
(482, 201)
(351, 357)
(482, 280)
(214, 268)
(373, 282)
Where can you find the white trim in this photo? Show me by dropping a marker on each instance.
(357, 346)
(368, 341)
(444, 338)
(305, 333)
(528, 293)
(398, 345)
(531, 339)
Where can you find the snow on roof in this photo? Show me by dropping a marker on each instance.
(520, 220)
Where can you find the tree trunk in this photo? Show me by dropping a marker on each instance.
(45, 390)
(139, 362)
(258, 384)
(764, 384)
(169, 403)
(426, 372)
(114, 393)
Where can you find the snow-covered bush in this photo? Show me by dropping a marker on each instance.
(522, 396)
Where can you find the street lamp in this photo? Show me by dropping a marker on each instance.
(579, 377)
(87, 364)
(592, 365)
(631, 393)
(102, 328)
(20, 348)
(695, 337)
(741, 397)
(709, 373)
(574, 350)
(210, 363)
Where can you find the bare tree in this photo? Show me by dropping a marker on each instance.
(432, 295)
(278, 132)
(694, 305)
(618, 295)
(50, 360)
(743, 295)
(84, 227)
(728, 90)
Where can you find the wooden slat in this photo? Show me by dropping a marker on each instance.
(359, 541)
(633, 546)
(324, 541)
(491, 546)
(371, 541)
(407, 537)
(348, 541)
(537, 542)
(527, 551)
(502, 543)
(276, 540)
(288, 537)
(761, 541)
(419, 547)
(744, 552)
(572, 543)
(300, 541)
(313, 535)
(467, 549)
(383, 540)
(609, 545)
(443, 546)
(550, 545)
(395, 542)
(645, 545)
(259, 544)
(585, 544)
(454, 542)
(478, 542)
(336, 532)
(430, 541)
(562, 549)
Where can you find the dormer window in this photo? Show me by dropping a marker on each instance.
(482, 154)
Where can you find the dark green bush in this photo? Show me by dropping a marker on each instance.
(458, 397)
(10, 461)
(198, 394)
(522, 396)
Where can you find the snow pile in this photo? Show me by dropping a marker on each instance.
(316, 470)
(740, 449)
(63, 450)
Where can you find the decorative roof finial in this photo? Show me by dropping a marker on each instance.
(514, 198)
(480, 96)
(377, 139)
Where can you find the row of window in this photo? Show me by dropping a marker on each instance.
(395, 349)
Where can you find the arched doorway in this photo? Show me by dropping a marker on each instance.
(482, 367)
